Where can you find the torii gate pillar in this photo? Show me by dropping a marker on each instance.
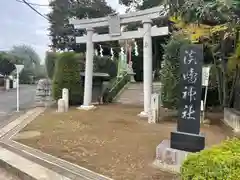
(88, 72)
(147, 67)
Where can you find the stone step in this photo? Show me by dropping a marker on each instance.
(134, 95)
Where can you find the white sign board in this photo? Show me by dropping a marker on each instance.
(205, 75)
(19, 67)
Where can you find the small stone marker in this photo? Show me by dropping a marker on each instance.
(7, 84)
(65, 97)
(61, 106)
(187, 137)
(154, 117)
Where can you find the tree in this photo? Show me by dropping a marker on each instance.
(27, 56)
(61, 32)
(6, 65)
(222, 19)
(212, 12)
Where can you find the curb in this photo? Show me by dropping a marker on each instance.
(54, 164)
(25, 168)
(15, 171)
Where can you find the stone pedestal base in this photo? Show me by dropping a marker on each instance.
(232, 118)
(132, 80)
(187, 142)
(143, 114)
(86, 108)
(169, 159)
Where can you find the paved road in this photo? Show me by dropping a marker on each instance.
(8, 101)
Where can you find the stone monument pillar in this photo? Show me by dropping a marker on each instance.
(147, 65)
(155, 105)
(88, 72)
(188, 137)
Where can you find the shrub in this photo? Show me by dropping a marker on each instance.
(170, 72)
(67, 75)
(221, 162)
(108, 95)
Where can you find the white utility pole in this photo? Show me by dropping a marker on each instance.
(19, 68)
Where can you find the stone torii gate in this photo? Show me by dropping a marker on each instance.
(114, 22)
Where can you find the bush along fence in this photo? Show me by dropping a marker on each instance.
(221, 162)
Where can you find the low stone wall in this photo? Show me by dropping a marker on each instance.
(232, 118)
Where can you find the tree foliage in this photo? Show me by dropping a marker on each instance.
(27, 56)
(215, 24)
(61, 32)
(6, 64)
(212, 12)
(170, 72)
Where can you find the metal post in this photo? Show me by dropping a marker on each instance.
(204, 103)
(17, 90)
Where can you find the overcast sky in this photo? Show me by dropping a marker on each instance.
(21, 25)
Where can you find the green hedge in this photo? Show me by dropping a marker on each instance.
(101, 64)
(109, 96)
(67, 75)
(221, 162)
(50, 62)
